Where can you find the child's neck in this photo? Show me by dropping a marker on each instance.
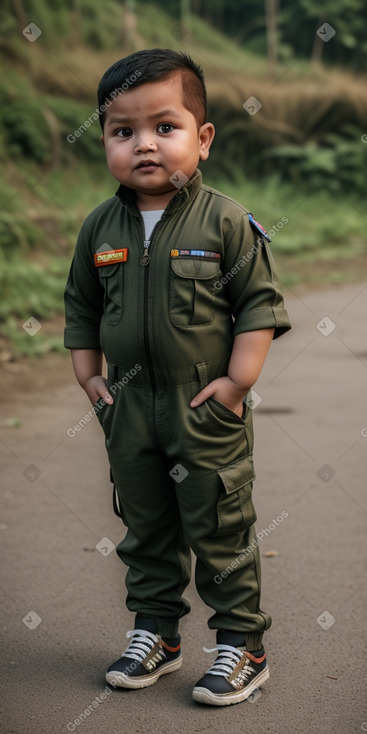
(153, 202)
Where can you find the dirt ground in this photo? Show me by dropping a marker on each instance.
(63, 614)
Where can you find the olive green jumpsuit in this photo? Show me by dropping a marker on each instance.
(165, 315)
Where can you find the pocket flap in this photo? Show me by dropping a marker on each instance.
(237, 475)
(195, 268)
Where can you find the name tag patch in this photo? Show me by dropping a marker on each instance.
(110, 256)
(196, 253)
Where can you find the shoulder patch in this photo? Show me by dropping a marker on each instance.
(258, 227)
(110, 256)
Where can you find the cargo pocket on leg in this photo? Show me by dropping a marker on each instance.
(235, 510)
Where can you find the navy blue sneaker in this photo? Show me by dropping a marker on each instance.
(145, 659)
(234, 676)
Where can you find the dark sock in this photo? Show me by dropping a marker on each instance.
(231, 637)
(257, 653)
(172, 641)
(144, 622)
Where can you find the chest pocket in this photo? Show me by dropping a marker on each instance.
(192, 291)
(112, 281)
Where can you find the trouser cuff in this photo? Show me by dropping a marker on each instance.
(163, 626)
(167, 627)
(254, 641)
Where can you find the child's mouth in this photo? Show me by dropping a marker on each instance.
(147, 166)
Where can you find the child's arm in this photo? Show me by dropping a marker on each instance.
(248, 356)
(87, 364)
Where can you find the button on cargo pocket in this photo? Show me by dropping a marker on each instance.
(111, 277)
(192, 291)
(235, 510)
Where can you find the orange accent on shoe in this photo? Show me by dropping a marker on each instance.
(254, 658)
(169, 648)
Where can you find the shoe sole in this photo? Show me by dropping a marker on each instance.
(121, 680)
(203, 695)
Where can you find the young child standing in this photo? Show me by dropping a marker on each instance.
(175, 284)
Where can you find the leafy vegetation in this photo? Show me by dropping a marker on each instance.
(302, 156)
(296, 24)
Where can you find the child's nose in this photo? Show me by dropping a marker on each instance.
(143, 144)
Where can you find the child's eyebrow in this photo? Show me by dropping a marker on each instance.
(169, 112)
(112, 120)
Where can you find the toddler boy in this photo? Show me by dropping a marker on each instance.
(175, 284)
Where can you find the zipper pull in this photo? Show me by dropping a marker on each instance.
(145, 257)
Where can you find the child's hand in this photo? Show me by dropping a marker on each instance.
(96, 387)
(225, 391)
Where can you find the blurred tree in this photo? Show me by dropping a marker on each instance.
(262, 26)
(75, 23)
(129, 30)
(296, 23)
(19, 13)
(271, 15)
(347, 18)
(185, 10)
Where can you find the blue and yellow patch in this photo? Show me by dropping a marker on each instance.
(258, 227)
(196, 253)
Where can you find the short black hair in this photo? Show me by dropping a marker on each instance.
(154, 65)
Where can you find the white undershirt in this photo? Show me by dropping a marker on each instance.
(150, 220)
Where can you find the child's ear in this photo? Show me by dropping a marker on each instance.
(206, 137)
(101, 137)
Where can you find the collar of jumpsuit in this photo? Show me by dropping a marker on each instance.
(189, 189)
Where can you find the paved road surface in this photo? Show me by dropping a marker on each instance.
(310, 455)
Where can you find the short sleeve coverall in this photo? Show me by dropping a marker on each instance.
(165, 319)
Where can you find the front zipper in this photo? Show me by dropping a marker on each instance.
(145, 258)
(144, 261)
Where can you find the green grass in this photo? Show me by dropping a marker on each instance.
(31, 290)
(49, 185)
(218, 53)
(322, 235)
(320, 228)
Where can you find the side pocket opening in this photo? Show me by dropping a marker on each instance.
(116, 502)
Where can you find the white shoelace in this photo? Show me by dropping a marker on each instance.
(141, 644)
(227, 660)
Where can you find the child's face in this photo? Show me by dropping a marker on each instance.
(148, 136)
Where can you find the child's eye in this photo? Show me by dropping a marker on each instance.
(124, 132)
(165, 127)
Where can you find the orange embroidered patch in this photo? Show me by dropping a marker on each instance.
(110, 256)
